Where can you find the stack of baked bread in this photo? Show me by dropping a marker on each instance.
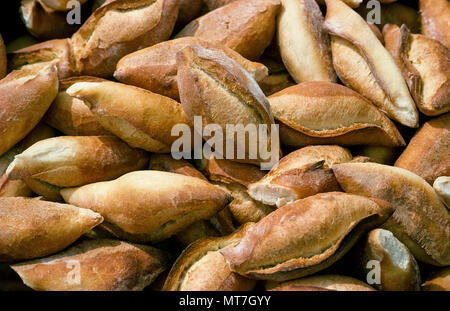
(91, 197)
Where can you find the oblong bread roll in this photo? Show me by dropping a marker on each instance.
(25, 96)
(305, 237)
(329, 113)
(304, 45)
(32, 228)
(343, 22)
(95, 265)
(139, 117)
(330, 282)
(421, 221)
(155, 69)
(149, 206)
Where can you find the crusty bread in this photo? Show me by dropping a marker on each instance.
(354, 33)
(71, 115)
(399, 270)
(139, 117)
(438, 281)
(119, 28)
(58, 5)
(56, 51)
(45, 24)
(25, 96)
(3, 60)
(396, 13)
(150, 206)
(303, 42)
(305, 237)
(329, 113)
(95, 265)
(155, 69)
(329, 282)
(425, 64)
(33, 228)
(201, 267)
(300, 174)
(421, 221)
(435, 15)
(218, 89)
(245, 26)
(427, 152)
(442, 187)
(71, 161)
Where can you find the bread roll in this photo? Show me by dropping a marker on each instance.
(45, 24)
(201, 267)
(435, 15)
(427, 153)
(356, 37)
(329, 113)
(234, 177)
(71, 115)
(58, 5)
(421, 221)
(439, 281)
(300, 174)
(303, 42)
(119, 28)
(218, 89)
(425, 65)
(327, 282)
(3, 61)
(71, 161)
(155, 68)
(399, 270)
(56, 51)
(32, 228)
(305, 237)
(442, 187)
(149, 206)
(25, 96)
(245, 26)
(95, 265)
(140, 118)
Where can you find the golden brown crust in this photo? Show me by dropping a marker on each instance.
(71, 161)
(439, 281)
(155, 69)
(56, 51)
(215, 87)
(150, 205)
(399, 270)
(329, 113)
(25, 95)
(3, 60)
(201, 267)
(102, 265)
(435, 15)
(211, 5)
(303, 42)
(421, 221)
(71, 115)
(142, 125)
(425, 64)
(165, 162)
(119, 28)
(346, 24)
(33, 228)
(300, 174)
(44, 24)
(427, 153)
(305, 237)
(327, 282)
(245, 26)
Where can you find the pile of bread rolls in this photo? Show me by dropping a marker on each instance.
(92, 199)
